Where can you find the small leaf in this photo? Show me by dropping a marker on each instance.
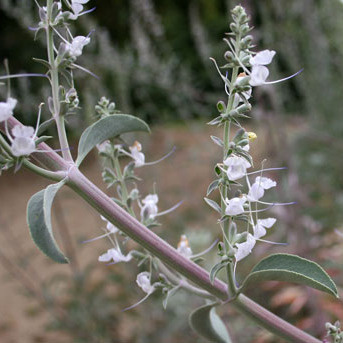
(215, 121)
(217, 141)
(213, 185)
(213, 204)
(205, 322)
(39, 221)
(292, 268)
(106, 128)
(216, 269)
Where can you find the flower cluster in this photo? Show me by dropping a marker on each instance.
(241, 189)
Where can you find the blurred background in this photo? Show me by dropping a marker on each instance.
(152, 58)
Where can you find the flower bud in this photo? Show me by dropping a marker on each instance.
(221, 106)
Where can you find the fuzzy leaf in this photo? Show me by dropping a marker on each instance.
(217, 141)
(292, 268)
(216, 269)
(39, 221)
(106, 128)
(205, 322)
(213, 185)
(213, 204)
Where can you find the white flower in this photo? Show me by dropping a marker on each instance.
(77, 7)
(256, 191)
(6, 109)
(264, 57)
(265, 182)
(109, 226)
(234, 206)
(143, 281)
(24, 140)
(237, 167)
(183, 247)
(137, 155)
(262, 225)
(116, 255)
(104, 146)
(75, 47)
(260, 72)
(244, 249)
(149, 209)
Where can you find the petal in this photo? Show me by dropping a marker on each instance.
(268, 222)
(265, 182)
(244, 249)
(256, 192)
(262, 58)
(259, 75)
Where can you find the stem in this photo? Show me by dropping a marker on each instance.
(154, 244)
(59, 119)
(271, 322)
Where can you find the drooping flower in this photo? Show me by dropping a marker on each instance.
(245, 248)
(183, 247)
(23, 143)
(149, 210)
(256, 191)
(116, 255)
(237, 167)
(137, 155)
(74, 49)
(6, 109)
(143, 281)
(234, 206)
(262, 225)
(109, 226)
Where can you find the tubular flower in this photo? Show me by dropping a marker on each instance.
(116, 255)
(76, 46)
(137, 155)
(245, 248)
(24, 140)
(6, 109)
(149, 209)
(183, 247)
(262, 225)
(256, 191)
(237, 167)
(143, 281)
(260, 72)
(234, 206)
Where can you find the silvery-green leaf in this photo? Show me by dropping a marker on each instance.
(215, 121)
(107, 128)
(205, 322)
(217, 141)
(213, 204)
(291, 268)
(213, 185)
(216, 269)
(39, 221)
(42, 139)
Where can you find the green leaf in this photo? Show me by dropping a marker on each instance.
(213, 185)
(39, 221)
(216, 269)
(106, 128)
(213, 204)
(205, 322)
(292, 268)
